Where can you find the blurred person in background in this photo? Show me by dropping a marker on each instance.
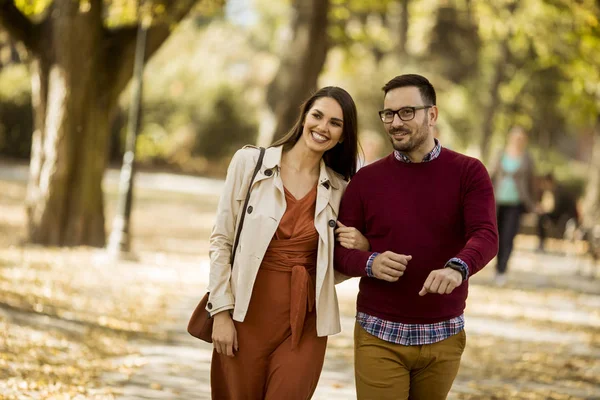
(557, 206)
(275, 308)
(372, 145)
(513, 176)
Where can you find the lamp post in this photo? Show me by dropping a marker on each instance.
(119, 243)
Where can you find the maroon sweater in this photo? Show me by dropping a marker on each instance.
(433, 211)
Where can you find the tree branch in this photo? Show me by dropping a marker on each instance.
(18, 26)
(120, 44)
(96, 4)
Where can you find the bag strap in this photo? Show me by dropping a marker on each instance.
(239, 230)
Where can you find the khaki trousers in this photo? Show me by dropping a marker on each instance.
(389, 371)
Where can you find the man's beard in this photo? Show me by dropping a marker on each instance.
(414, 141)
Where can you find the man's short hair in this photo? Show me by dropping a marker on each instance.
(425, 87)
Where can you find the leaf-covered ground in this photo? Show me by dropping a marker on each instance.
(68, 316)
(76, 325)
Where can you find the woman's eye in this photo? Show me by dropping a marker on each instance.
(317, 116)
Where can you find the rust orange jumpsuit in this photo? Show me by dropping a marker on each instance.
(280, 355)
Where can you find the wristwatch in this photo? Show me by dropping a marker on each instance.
(455, 265)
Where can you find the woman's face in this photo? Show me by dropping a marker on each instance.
(518, 139)
(323, 125)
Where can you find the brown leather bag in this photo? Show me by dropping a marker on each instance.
(201, 323)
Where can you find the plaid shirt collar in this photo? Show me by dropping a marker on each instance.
(432, 155)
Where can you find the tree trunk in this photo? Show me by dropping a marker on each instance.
(469, 8)
(65, 201)
(299, 70)
(403, 31)
(487, 128)
(591, 202)
(79, 69)
(9, 54)
(494, 101)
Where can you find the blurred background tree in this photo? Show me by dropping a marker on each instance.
(237, 73)
(301, 61)
(81, 59)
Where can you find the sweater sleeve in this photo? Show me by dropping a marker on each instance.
(352, 262)
(479, 214)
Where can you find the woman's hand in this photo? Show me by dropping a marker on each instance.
(351, 238)
(224, 335)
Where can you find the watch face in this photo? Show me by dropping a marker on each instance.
(458, 267)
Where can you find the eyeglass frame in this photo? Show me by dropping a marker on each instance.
(397, 112)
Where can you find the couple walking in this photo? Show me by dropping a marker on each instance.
(414, 226)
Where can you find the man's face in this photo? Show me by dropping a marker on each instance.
(408, 136)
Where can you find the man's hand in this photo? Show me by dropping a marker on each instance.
(351, 238)
(441, 281)
(390, 266)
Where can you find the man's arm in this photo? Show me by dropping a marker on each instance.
(479, 213)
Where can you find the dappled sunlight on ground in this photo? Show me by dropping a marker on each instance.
(532, 339)
(76, 323)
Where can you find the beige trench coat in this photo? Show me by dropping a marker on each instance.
(232, 288)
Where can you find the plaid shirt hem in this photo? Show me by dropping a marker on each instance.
(410, 334)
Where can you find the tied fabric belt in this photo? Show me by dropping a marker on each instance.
(293, 256)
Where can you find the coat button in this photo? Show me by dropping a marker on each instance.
(332, 223)
(268, 172)
(250, 209)
(209, 306)
(326, 185)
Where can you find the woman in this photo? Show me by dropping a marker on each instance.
(275, 308)
(513, 179)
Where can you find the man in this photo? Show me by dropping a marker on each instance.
(429, 215)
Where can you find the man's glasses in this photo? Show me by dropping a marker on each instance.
(404, 113)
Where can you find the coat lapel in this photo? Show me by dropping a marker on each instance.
(324, 192)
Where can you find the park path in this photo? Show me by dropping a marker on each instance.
(521, 340)
(162, 181)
